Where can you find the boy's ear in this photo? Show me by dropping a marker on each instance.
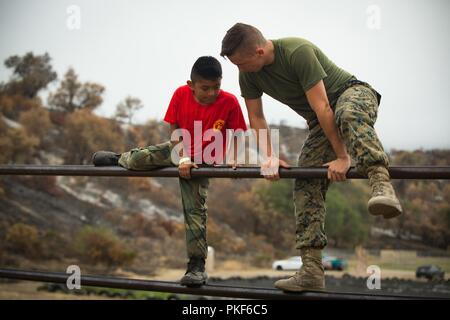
(190, 84)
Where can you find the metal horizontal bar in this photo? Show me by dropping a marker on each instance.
(207, 290)
(396, 172)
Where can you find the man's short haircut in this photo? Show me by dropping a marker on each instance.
(207, 68)
(243, 38)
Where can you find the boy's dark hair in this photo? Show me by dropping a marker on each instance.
(243, 38)
(207, 68)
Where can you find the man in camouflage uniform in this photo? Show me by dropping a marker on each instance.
(340, 111)
(199, 102)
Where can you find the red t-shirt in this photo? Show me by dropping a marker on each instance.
(225, 113)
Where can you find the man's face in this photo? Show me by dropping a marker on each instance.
(248, 62)
(205, 91)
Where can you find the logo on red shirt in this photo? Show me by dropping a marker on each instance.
(218, 125)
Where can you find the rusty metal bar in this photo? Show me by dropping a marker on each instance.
(397, 172)
(207, 290)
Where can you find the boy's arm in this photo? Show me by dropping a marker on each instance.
(318, 100)
(173, 127)
(235, 152)
(185, 167)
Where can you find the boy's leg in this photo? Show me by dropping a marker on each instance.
(147, 158)
(105, 158)
(356, 113)
(309, 200)
(194, 192)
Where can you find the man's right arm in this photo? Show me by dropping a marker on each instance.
(270, 161)
(258, 122)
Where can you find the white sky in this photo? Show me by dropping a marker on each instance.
(146, 49)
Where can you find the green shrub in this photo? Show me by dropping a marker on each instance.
(98, 245)
(23, 239)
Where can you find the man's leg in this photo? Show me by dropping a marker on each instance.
(309, 201)
(356, 113)
(194, 192)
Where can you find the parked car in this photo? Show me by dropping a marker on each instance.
(430, 272)
(333, 263)
(292, 263)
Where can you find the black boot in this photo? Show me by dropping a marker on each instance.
(105, 158)
(195, 275)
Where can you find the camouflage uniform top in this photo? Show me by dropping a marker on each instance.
(298, 66)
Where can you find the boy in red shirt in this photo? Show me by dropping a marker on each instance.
(199, 107)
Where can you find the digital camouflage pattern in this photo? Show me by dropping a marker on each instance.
(355, 113)
(193, 193)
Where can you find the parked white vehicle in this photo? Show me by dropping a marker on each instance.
(293, 263)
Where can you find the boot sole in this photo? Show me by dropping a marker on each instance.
(384, 206)
(300, 289)
(194, 284)
(105, 159)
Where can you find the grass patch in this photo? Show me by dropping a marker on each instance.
(113, 293)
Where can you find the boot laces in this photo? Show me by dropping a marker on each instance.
(378, 189)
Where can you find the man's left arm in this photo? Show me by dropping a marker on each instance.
(318, 100)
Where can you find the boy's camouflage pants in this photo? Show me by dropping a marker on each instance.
(193, 193)
(355, 114)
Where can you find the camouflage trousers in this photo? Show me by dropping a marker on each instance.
(194, 192)
(355, 114)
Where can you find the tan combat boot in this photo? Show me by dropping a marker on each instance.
(310, 277)
(383, 201)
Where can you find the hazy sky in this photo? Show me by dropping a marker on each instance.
(146, 49)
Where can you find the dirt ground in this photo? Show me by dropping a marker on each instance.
(27, 290)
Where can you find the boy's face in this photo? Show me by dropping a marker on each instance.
(248, 62)
(205, 91)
